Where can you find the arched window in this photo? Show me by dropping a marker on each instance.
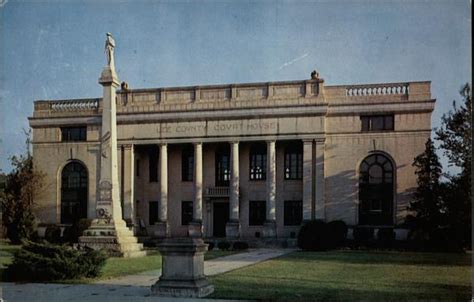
(376, 191)
(73, 192)
(258, 162)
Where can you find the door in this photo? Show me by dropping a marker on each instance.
(220, 217)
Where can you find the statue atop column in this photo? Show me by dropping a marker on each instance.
(109, 50)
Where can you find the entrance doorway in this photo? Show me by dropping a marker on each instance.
(220, 217)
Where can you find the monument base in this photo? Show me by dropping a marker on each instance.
(195, 229)
(269, 229)
(159, 230)
(113, 237)
(232, 229)
(182, 273)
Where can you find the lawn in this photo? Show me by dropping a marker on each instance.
(114, 267)
(351, 275)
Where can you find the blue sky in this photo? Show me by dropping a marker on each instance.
(54, 50)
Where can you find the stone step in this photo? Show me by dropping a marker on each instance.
(127, 239)
(134, 254)
(130, 247)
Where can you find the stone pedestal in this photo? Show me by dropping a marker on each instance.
(160, 230)
(232, 229)
(269, 229)
(113, 237)
(195, 229)
(182, 273)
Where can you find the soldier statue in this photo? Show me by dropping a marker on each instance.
(109, 50)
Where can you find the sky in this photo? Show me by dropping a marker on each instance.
(54, 49)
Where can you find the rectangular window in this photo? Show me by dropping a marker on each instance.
(187, 164)
(293, 212)
(153, 163)
(222, 169)
(74, 134)
(257, 212)
(294, 163)
(186, 212)
(377, 122)
(258, 164)
(152, 212)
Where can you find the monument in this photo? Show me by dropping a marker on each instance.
(108, 230)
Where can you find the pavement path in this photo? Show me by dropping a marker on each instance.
(134, 288)
(211, 267)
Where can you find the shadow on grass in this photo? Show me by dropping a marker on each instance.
(288, 289)
(381, 257)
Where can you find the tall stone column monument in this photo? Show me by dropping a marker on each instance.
(108, 230)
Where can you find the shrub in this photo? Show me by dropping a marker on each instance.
(210, 245)
(52, 234)
(223, 245)
(386, 237)
(73, 233)
(47, 262)
(363, 235)
(337, 233)
(240, 245)
(313, 236)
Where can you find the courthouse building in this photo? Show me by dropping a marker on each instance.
(251, 160)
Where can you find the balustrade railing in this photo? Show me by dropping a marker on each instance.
(75, 105)
(217, 192)
(377, 89)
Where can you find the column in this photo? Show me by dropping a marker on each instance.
(269, 227)
(233, 226)
(307, 179)
(128, 182)
(195, 227)
(161, 227)
(320, 203)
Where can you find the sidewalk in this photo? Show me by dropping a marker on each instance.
(211, 267)
(134, 288)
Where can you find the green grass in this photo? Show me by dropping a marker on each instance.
(6, 253)
(351, 275)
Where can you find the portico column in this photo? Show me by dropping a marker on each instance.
(307, 179)
(195, 227)
(233, 226)
(129, 183)
(320, 203)
(162, 224)
(269, 227)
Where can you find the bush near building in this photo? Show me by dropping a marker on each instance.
(39, 262)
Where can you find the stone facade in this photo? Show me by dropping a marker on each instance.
(323, 122)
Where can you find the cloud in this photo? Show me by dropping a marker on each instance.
(293, 61)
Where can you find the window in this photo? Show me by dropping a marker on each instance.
(152, 212)
(257, 212)
(258, 162)
(186, 212)
(294, 162)
(222, 167)
(293, 212)
(74, 134)
(187, 164)
(377, 122)
(153, 163)
(376, 190)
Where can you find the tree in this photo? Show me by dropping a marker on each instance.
(22, 184)
(428, 202)
(455, 137)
